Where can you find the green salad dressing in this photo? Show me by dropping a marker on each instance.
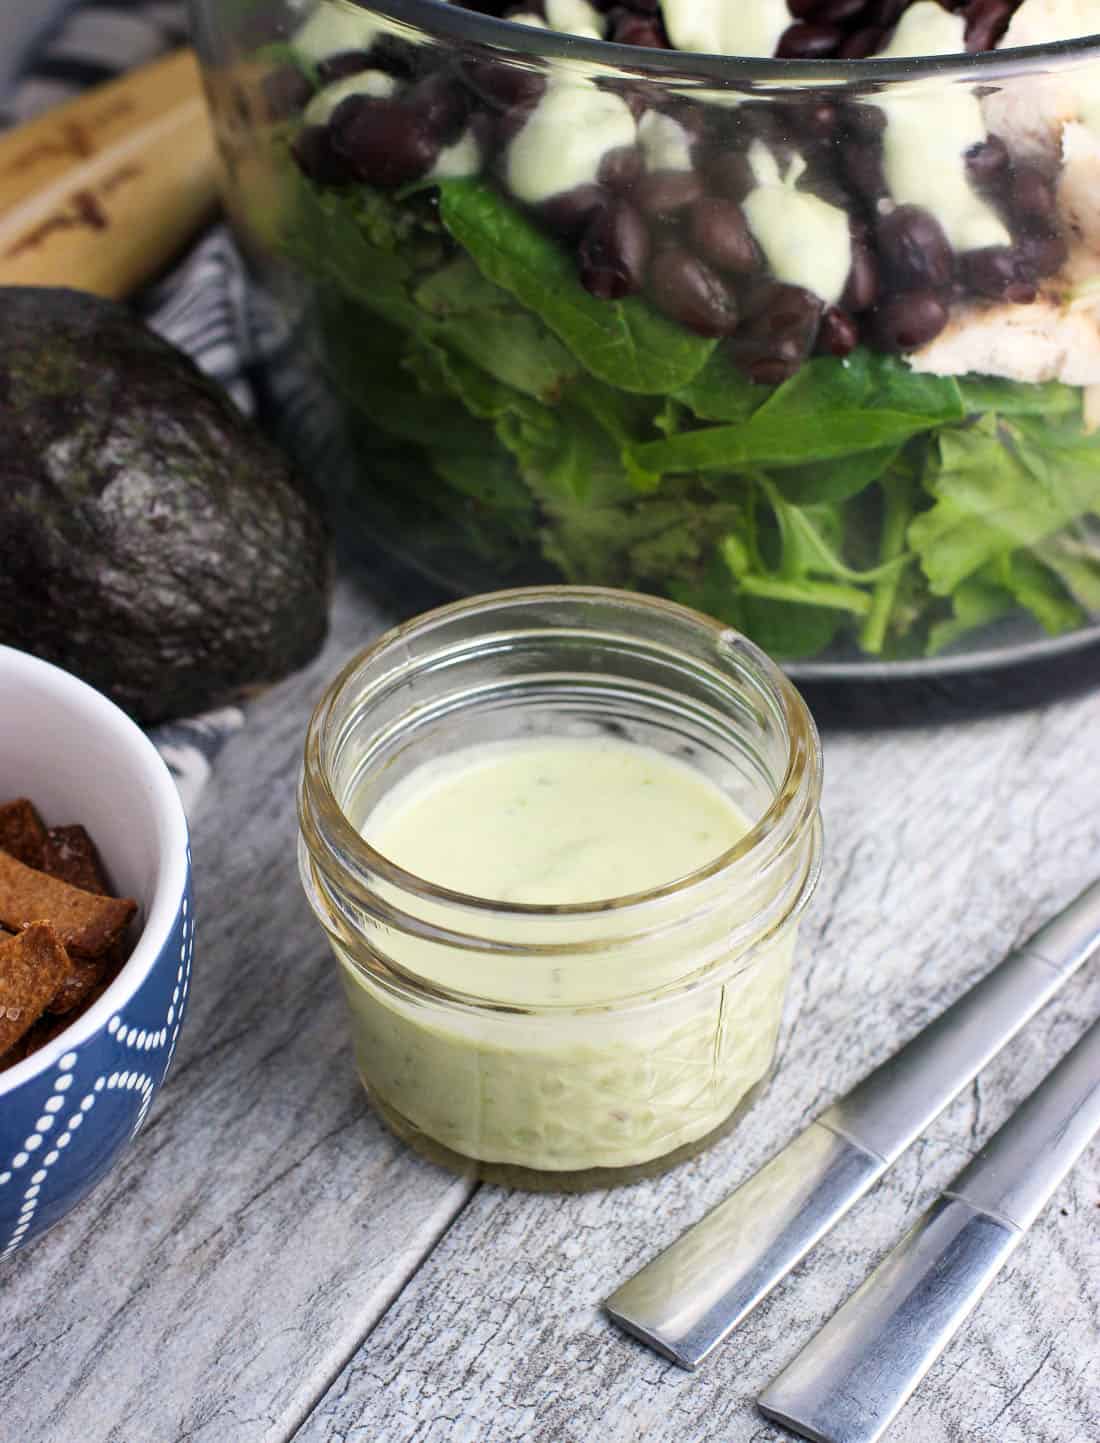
(606, 1069)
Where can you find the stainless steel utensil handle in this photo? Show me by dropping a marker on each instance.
(853, 1377)
(695, 1293)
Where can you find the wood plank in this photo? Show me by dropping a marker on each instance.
(945, 845)
(263, 1221)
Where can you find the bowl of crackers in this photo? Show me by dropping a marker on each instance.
(96, 937)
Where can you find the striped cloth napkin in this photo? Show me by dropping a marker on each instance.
(48, 52)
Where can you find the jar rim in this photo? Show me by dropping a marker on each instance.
(433, 16)
(796, 793)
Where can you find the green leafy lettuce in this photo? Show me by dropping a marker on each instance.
(508, 415)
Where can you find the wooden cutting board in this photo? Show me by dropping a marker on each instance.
(102, 192)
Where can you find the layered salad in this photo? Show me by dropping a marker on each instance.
(823, 361)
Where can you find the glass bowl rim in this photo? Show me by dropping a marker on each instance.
(436, 17)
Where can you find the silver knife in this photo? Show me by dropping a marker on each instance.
(853, 1377)
(696, 1292)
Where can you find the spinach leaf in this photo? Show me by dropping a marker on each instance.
(626, 343)
(483, 323)
(976, 602)
(1075, 557)
(863, 381)
(770, 440)
(1038, 589)
(722, 392)
(1002, 486)
(1016, 398)
(834, 480)
(359, 244)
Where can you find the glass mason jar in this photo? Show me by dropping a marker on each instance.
(810, 344)
(569, 1045)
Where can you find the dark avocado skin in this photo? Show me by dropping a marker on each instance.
(152, 541)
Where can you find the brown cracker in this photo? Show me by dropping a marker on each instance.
(33, 966)
(70, 854)
(79, 985)
(86, 924)
(22, 831)
(36, 1036)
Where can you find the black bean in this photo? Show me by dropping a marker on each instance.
(806, 40)
(689, 291)
(999, 272)
(620, 168)
(316, 158)
(904, 322)
(839, 12)
(663, 193)
(569, 213)
(614, 251)
(347, 62)
(695, 119)
(382, 140)
(483, 127)
(401, 57)
(838, 334)
(763, 120)
(285, 91)
(1045, 252)
(721, 235)
(638, 99)
(441, 106)
(864, 122)
(885, 13)
(987, 161)
(628, 29)
(510, 122)
(504, 85)
(861, 162)
(986, 22)
(861, 289)
(780, 333)
(862, 43)
(1031, 195)
(730, 174)
(817, 120)
(915, 252)
(804, 9)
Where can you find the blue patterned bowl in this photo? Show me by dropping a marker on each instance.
(69, 1109)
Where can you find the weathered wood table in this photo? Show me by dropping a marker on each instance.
(268, 1264)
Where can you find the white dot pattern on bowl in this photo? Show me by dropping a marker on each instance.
(130, 1080)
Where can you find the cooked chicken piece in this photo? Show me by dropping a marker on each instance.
(1029, 114)
(1079, 184)
(1056, 338)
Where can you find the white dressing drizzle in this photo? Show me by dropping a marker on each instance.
(806, 240)
(375, 83)
(664, 141)
(575, 17)
(461, 158)
(335, 28)
(332, 30)
(726, 27)
(564, 140)
(928, 134)
(571, 17)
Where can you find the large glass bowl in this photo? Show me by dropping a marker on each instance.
(731, 363)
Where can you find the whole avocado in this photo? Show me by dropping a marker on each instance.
(153, 541)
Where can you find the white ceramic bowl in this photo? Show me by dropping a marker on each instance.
(69, 1109)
